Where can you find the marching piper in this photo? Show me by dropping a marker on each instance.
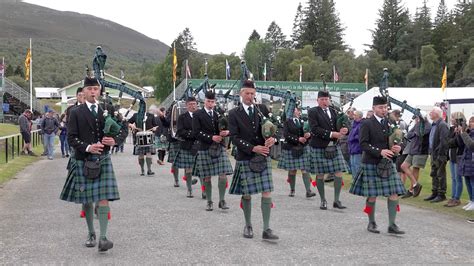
(325, 156)
(293, 152)
(212, 157)
(377, 175)
(253, 168)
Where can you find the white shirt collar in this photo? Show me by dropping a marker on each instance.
(378, 118)
(246, 107)
(207, 110)
(90, 104)
(191, 114)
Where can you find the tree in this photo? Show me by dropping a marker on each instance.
(296, 41)
(163, 78)
(441, 14)
(393, 18)
(428, 75)
(19, 72)
(276, 39)
(256, 54)
(322, 28)
(468, 71)
(9, 71)
(254, 36)
(420, 35)
(280, 66)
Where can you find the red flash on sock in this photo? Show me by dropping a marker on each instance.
(314, 183)
(241, 205)
(288, 180)
(273, 205)
(109, 216)
(203, 188)
(172, 170)
(342, 183)
(83, 214)
(226, 184)
(368, 210)
(398, 208)
(184, 178)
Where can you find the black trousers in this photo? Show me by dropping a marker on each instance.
(438, 177)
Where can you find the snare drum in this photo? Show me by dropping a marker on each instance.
(144, 138)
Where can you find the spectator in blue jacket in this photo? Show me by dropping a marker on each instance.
(354, 147)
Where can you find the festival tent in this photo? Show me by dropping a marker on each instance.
(459, 99)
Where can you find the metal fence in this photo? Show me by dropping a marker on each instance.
(11, 146)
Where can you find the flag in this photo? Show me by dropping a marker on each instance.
(444, 79)
(265, 72)
(175, 63)
(188, 70)
(335, 75)
(366, 78)
(301, 73)
(227, 70)
(27, 65)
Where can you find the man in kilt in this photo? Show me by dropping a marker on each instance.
(86, 136)
(246, 130)
(161, 142)
(186, 155)
(212, 157)
(173, 148)
(145, 150)
(375, 177)
(293, 152)
(325, 156)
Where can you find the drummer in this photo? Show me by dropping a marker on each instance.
(149, 150)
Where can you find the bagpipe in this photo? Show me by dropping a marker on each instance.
(395, 134)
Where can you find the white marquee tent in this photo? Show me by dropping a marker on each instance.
(459, 99)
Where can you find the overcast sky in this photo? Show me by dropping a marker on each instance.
(224, 26)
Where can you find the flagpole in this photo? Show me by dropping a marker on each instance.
(31, 78)
(366, 79)
(446, 89)
(301, 73)
(333, 74)
(174, 72)
(186, 75)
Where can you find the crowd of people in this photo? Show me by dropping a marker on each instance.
(379, 150)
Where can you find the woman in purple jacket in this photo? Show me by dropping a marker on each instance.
(466, 165)
(354, 147)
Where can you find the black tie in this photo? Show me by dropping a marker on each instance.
(94, 113)
(297, 122)
(327, 113)
(250, 111)
(210, 113)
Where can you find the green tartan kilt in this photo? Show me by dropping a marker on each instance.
(289, 162)
(83, 190)
(159, 145)
(143, 150)
(368, 184)
(317, 163)
(246, 182)
(206, 166)
(67, 193)
(173, 149)
(184, 159)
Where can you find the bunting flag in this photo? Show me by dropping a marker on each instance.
(27, 65)
(444, 79)
(301, 73)
(227, 70)
(335, 75)
(265, 72)
(175, 63)
(188, 70)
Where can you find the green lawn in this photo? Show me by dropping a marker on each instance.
(10, 169)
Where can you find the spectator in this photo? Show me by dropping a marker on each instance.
(455, 154)
(417, 155)
(466, 162)
(63, 136)
(438, 148)
(354, 147)
(49, 127)
(396, 117)
(25, 129)
(369, 114)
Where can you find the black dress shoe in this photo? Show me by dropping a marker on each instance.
(292, 193)
(407, 195)
(223, 205)
(324, 205)
(194, 182)
(310, 194)
(438, 198)
(393, 229)
(150, 173)
(329, 178)
(210, 206)
(105, 244)
(372, 227)
(248, 231)
(91, 241)
(417, 189)
(269, 235)
(431, 197)
(176, 184)
(190, 194)
(338, 205)
(142, 173)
